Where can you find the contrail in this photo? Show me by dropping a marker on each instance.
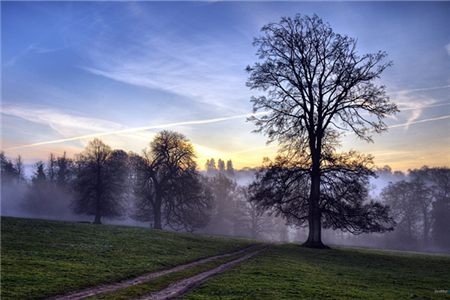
(137, 129)
(421, 121)
(424, 89)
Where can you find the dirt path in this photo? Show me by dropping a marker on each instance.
(184, 285)
(140, 279)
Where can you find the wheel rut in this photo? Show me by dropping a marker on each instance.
(184, 285)
(89, 292)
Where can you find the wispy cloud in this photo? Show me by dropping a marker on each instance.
(31, 48)
(66, 123)
(416, 102)
(199, 66)
(447, 47)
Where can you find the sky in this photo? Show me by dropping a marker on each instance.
(124, 71)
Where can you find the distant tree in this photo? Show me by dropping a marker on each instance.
(45, 197)
(230, 169)
(38, 195)
(65, 171)
(13, 184)
(189, 206)
(9, 171)
(39, 174)
(100, 183)
(441, 206)
(317, 86)
(254, 221)
(405, 209)
(221, 166)
(211, 169)
(423, 198)
(52, 168)
(19, 170)
(167, 184)
(223, 189)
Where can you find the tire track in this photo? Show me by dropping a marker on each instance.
(184, 285)
(89, 292)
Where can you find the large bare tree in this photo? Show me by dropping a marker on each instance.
(316, 87)
(100, 184)
(167, 184)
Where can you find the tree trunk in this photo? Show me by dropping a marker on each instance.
(314, 218)
(98, 209)
(425, 227)
(157, 214)
(97, 219)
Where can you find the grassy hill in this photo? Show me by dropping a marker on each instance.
(40, 258)
(43, 258)
(289, 271)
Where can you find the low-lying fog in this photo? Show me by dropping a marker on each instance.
(421, 226)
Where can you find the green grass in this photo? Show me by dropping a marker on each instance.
(44, 258)
(41, 258)
(289, 271)
(162, 282)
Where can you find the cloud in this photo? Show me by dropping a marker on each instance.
(447, 47)
(413, 103)
(65, 123)
(197, 65)
(13, 60)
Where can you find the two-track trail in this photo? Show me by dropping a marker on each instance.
(89, 292)
(184, 285)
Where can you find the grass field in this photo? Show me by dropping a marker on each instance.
(43, 258)
(289, 271)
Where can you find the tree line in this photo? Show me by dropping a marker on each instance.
(162, 187)
(420, 205)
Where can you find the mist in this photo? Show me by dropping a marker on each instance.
(44, 195)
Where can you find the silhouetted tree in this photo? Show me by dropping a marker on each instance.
(100, 183)
(7, 170)
(210, 166)
(284, 185)
(65, 171)
(11, 172)
(405, 209)
(36, 198)
(441, 207)
(168, 185)
(39, 174)
(221, 166)
(423, 198)
(13, 184)
(20, 170)
(230, 169)
(190, 203)
(251, 219)
(316, 86)
(223, 190)
(52, 168)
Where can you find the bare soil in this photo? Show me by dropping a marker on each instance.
(89, 292)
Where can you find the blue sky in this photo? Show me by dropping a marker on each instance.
(124, 71)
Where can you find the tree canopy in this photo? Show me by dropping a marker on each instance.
(168, 184)
(315, 88)
(100, 183)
